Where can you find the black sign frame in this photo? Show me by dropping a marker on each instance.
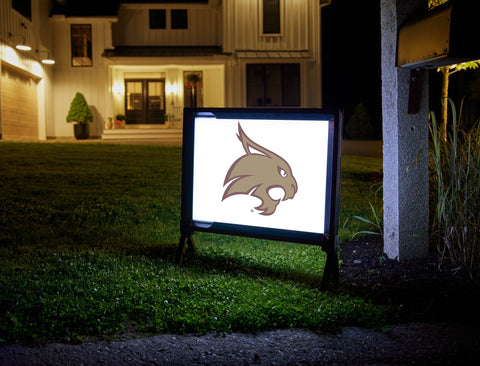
(327, 240)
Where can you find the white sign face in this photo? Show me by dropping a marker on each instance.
(264, 173)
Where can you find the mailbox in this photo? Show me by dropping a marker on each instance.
(447, 35)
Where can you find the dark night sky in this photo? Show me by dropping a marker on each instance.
(351, 57)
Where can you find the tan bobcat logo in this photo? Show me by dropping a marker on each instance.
(257, 173)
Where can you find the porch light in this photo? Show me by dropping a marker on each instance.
(172, 88)
(118, 88)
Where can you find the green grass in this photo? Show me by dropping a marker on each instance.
(88, 234)
(360, 187)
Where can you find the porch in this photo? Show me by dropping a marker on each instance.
(144, 133)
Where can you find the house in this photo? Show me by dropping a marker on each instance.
(147, 60)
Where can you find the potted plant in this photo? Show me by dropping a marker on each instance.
(120, 120)
(81, 115)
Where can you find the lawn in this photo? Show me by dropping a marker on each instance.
(88, 234)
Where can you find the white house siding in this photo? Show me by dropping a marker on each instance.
(133, 27)
(91, 81)
(242, 26)
(35, 32)
(11, 29)
(46, 104)
(214, 87)
(299, 42)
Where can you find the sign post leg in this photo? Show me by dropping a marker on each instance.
(186, 243)
(331, 271)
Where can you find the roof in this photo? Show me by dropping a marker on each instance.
(274, 54)
(85, 8)
(164, 1)
(101, 8)
(163, 51)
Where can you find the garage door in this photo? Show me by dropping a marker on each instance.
(18, 105)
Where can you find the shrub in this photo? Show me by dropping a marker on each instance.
(359, 125)
(455, 182)
(79, 110)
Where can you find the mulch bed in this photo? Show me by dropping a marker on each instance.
(417, 288)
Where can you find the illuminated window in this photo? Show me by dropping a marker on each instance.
(134, 95)
(272, 85)
(158, 19)
(179, 18)
(271, 16)
(24, 7)
(81, 45)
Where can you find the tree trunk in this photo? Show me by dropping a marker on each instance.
(446, 75)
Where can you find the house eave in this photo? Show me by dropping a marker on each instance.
(275, 54)
(163, 51)
(80, 19)
(132, 55)
(155, 61)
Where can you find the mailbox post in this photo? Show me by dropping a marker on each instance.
(405, 191)
(413, 41)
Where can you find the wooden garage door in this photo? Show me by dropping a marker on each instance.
(19, 105)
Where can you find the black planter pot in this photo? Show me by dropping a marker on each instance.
(81, 131)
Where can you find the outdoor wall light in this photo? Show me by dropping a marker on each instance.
(22, 44)
(118, 88)
(172, 88)
(45, 60)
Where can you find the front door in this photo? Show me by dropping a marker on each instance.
(145, 101)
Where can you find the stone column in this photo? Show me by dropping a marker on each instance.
(405, 182)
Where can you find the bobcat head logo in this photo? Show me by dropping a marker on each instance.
(257, 173)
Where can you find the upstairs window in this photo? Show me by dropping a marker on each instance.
(271, 17)
(81, 45)
(179, 18)
(158, 19)
(24, 7)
